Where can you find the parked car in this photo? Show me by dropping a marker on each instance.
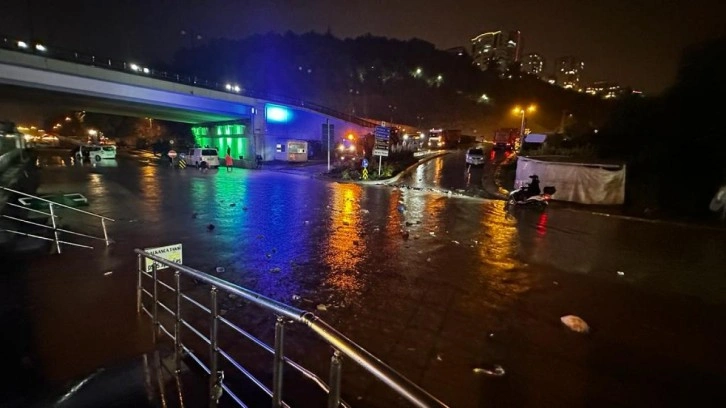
(475, 156)
(198, 155)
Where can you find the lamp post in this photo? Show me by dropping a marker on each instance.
(522, 111)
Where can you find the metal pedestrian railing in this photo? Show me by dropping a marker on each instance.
(149, 267)
(54, 227)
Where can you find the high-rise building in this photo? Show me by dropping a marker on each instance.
(497, 50)
(569, 72)
(533, 64)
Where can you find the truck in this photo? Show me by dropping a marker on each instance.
(506, 138)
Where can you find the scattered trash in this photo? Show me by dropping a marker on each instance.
(295, 297)
(490, 335)
(432, 233)
(455, 241)
(220, 269)
(364, 211)
(233, 205)
(321, 307)
(268, 256)
(428, 259)
(107, 273)
(495, 371)
(411, 349)
(621, 273)
(275, 270)
(420, 252)
(416, 236)
(575, 323)
(555, 283)
(376, 229)
(210, 227)
(438, 357)
(307, 222)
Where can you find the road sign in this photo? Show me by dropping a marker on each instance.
(364, 163)
(381, 132)
(171, 153)
(380, 152)
(171, 253)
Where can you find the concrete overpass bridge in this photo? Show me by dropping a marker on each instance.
(69, 80)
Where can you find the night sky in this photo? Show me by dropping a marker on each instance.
(632, 42)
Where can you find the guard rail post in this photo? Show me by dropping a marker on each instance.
(278, 363)
(334, 384)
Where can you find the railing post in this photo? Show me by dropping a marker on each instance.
(334, 393)
(55, 229)
(138, 283)
(155, 308)
(177, 323)
(213, 387)
(105, 234)
(278, 363)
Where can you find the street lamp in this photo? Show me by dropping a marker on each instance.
(522, 111)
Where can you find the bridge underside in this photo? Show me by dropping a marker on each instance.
(16, 101)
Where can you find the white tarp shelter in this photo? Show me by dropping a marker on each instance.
(577, 182)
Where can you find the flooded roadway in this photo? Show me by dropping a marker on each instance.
(471, 287)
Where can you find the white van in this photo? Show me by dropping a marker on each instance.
(98, 153)
(207, 154)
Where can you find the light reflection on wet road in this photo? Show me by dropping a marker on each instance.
(468, 269)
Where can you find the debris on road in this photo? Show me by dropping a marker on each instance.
(455, 241)
(295, 297)
(233, 205)
(107, 273)
(322, 308)
(220, 269)
(495, 371)
(364, 211)
(275, 270)
(621, 273)
(575, 323)
(428, 259)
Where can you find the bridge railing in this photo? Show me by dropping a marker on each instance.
(61, 54)
(150, 286)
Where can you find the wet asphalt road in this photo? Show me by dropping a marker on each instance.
(471, 287)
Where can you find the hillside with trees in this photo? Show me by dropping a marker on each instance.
(408, 82)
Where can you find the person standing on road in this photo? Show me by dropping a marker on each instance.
(228, 161)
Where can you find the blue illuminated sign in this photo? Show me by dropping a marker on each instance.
(277, 113)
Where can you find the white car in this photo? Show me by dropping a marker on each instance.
(198, 155)
(99, 153)
(475, 156)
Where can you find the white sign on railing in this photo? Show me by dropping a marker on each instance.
(172, 253)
